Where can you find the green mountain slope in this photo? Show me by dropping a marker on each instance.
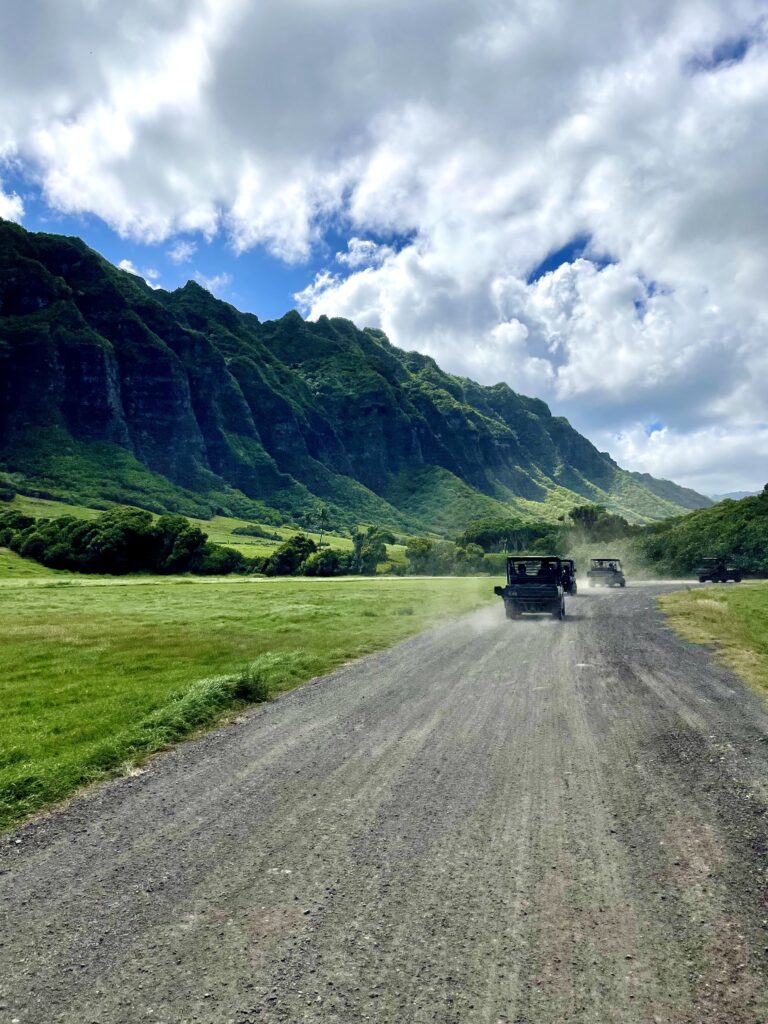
(672, 492)
(111, 391)
(735, 530)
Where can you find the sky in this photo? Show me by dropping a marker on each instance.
(569, 197)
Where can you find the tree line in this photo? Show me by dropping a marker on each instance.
(125, 540)
(734, 530)
(121, 541)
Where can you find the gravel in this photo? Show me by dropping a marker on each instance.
(521, 822)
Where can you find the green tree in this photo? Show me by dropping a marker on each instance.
(288, 558)
(473, 558)
(326, 562)
(369, 547)
(509, 534)
(323, 520)
(587, 515)
(119, 541)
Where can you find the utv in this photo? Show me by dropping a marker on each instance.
(718, 571)
(568, 576)
(606, 572)
(534, 584)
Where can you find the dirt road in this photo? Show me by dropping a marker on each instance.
(527, 823)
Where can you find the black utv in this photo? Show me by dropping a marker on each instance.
(606, 572)
(568, 571)
(717, 570)
(534, 584)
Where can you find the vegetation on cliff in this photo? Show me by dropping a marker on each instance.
(111, 391)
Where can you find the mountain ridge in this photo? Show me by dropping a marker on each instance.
(113, 391)
(732, 496)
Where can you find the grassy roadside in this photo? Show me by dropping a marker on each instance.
(98, 673)
(731, 618)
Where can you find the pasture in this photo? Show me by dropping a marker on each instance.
(100, 672)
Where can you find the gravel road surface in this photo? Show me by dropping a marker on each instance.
(520, 822)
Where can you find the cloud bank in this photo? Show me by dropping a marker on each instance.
(458, 146)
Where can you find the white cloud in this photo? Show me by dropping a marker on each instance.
(362, 252)
(11, 206)
(217, 284)
(149, 276)
(311, 296)
(484, 136)
(182, 251)
(718, 456)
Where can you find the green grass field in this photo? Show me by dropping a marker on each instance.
(99, 672)
(731, 618)
(13, 566)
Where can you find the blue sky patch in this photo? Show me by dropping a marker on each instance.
(577, 248)
(726, 52)
(255, 281)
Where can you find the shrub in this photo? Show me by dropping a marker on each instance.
(287, 559)
(221, 561)
(495, 564)
(369, 548)
(251, 685)
(252, 530)
(326, 562)
(12, 524)
(442, 558)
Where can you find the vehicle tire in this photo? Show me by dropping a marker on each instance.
(702, 579)
(511, 611)
(558, 612)
(737, 579)
(623, 583)
(590, 583)
(575, 590)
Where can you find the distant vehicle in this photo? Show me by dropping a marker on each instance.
(606, 572)
(717, 570)
(534, 584)
(568, 573)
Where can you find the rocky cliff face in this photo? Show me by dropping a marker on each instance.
(109, 389)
